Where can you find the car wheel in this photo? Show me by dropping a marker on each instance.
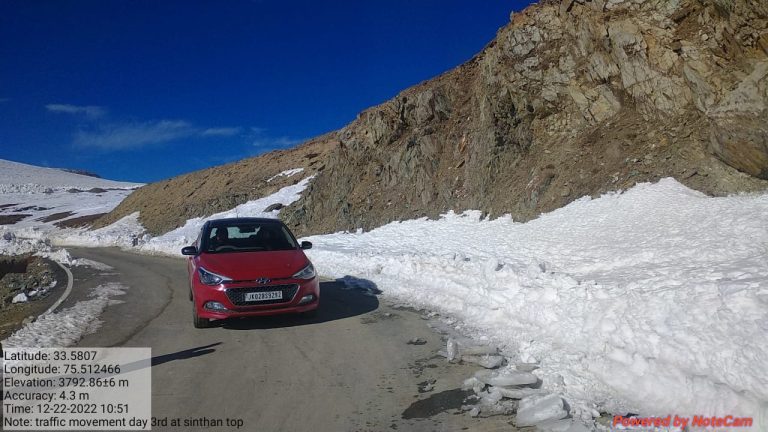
(197, 321)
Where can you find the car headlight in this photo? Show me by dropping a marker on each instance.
(209, 278)
(307, 272)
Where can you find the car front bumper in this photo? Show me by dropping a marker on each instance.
(229, 297)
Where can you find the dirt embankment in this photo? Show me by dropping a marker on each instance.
(28, 287)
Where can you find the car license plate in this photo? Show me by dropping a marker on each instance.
(261, 296)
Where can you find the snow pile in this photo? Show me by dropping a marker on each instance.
(651, 301)
(68, 326)
(34, 243)
(128, 232)
(120, 234)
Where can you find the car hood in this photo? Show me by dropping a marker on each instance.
(242, 266)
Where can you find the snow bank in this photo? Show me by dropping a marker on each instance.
(651, 301)
(68, 326)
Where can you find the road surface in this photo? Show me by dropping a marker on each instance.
(350, 368)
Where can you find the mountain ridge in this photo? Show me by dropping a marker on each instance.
(571, 98)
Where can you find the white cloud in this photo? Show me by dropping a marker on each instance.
(221, 131)
(91, 111)
(129, 136)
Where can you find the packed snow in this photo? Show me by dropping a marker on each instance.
(648, 301)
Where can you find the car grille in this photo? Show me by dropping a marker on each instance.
(237, 295)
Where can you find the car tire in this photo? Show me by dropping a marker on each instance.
(197, 321)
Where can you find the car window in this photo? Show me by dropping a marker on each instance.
(248, 237)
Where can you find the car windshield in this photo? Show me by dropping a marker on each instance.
(249, 237)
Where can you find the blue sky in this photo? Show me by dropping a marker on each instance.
(145, 90)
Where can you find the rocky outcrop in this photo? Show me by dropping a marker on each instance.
(571, 98)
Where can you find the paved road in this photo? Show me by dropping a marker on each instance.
(347, 369)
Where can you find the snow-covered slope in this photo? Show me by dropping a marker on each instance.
(653, 301)
(19, 174)
(36, 198)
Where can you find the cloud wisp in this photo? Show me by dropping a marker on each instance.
(222, 131)
(90, 111)
(129, 136)
(105, 134)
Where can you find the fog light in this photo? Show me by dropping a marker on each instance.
(309, 298)
(216, 306)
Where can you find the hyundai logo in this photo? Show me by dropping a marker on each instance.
(263, 281)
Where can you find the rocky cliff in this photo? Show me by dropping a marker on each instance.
(572, 98)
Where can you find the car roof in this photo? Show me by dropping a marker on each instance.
(243, 220)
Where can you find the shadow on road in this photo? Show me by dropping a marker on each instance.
(337, 301)
(185, 354)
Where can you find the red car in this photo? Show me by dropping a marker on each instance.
(244, 267)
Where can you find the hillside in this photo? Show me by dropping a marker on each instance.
(168, 204)
(571, 98)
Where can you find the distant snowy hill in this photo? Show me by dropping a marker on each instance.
(38, 198)
(19, 174)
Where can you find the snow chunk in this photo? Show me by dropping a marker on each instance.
(486, 361)
(518, 393)
(506, 377)
(540, 408)
(20, 298)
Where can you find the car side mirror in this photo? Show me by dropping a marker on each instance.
(306, 245)
(189, 250)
